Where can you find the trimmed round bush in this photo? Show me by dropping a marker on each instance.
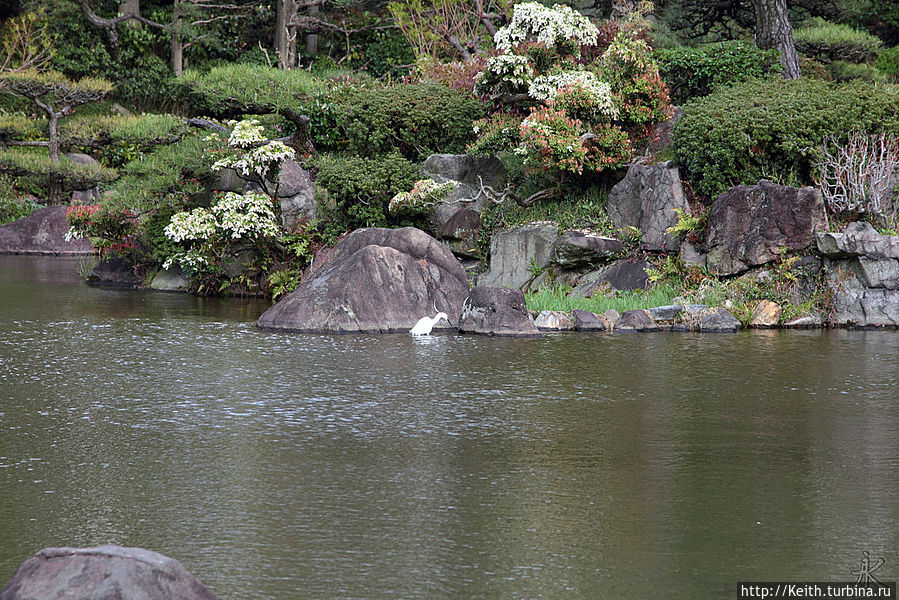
(694, 72)
(415, 120)
(773, 129)
(828, 42)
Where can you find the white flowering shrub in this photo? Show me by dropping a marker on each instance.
(549, 26)
(207, 233)
(259, 161)
(510, 71)
(598, 92)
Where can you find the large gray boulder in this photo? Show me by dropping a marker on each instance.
(42, 232)
(497, 311)
(103, 573)
(516, 253)
(866, 308)
(646, 199)
(375, 280)
(574, 249)
(751, 225)
(471, 172)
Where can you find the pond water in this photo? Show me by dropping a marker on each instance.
(312, 466)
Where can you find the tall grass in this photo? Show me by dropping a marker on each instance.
(560, 298)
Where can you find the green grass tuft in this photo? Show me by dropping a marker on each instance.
(560, 298)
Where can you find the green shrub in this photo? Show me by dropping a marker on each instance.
(361, 188)
(12, 206)
(773, 129)
(414, 120)
(830, 41)
(693, 72)
(813, 69)
(234, 89)
(171, 175)
(888, 62)
(846, 71)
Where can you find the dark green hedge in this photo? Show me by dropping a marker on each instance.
(694, 72)
(773, 129)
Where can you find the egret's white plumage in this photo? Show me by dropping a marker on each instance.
(426, 324)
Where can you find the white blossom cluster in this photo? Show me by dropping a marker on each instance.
(547, 25)
(198, 224)
(73, 234)
(245, 134)
(258, 161)
(547, 88)
(511, 68)
(192, 260)
(248, 214)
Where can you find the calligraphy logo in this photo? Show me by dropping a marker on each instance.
(866, 569)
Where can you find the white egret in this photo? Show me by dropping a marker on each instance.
(426, 324)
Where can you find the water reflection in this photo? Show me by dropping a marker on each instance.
(573, 466)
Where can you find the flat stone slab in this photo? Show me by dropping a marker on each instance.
(857, 239)
(553, 320)
(866, 308)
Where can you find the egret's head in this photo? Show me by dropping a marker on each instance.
(441, 315)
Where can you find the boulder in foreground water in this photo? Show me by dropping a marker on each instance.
(375, 280)
(497, 311)
(103, 573)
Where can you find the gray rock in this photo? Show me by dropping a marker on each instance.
(662, 134)
(553, 320)
(666, 313)
(228, 181)
(646, 199)
(751, 225)
(103, 573)
(636, 321)
(878, 272)
(627, 275)
(240, 260)
(857, 239)
(114, 272)
(88, 196)
(515, 252)
(691, 255)
(806, 322)
(866, 308)
(496, 311)
(374, 280)
(574, 249)
(466, 169)
(170, 280)
(584, 320)
(42, 232)
(609, 319)
(460, 229)
(719, 320)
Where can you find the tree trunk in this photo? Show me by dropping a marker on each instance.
(312, 38)
(129, 7)
(773, 30)
(177, 51)
(285, 35)
(54, 188)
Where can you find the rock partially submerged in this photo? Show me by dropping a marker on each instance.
(103, 573)
(375, 280)
(497, 311)
(42, 232)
